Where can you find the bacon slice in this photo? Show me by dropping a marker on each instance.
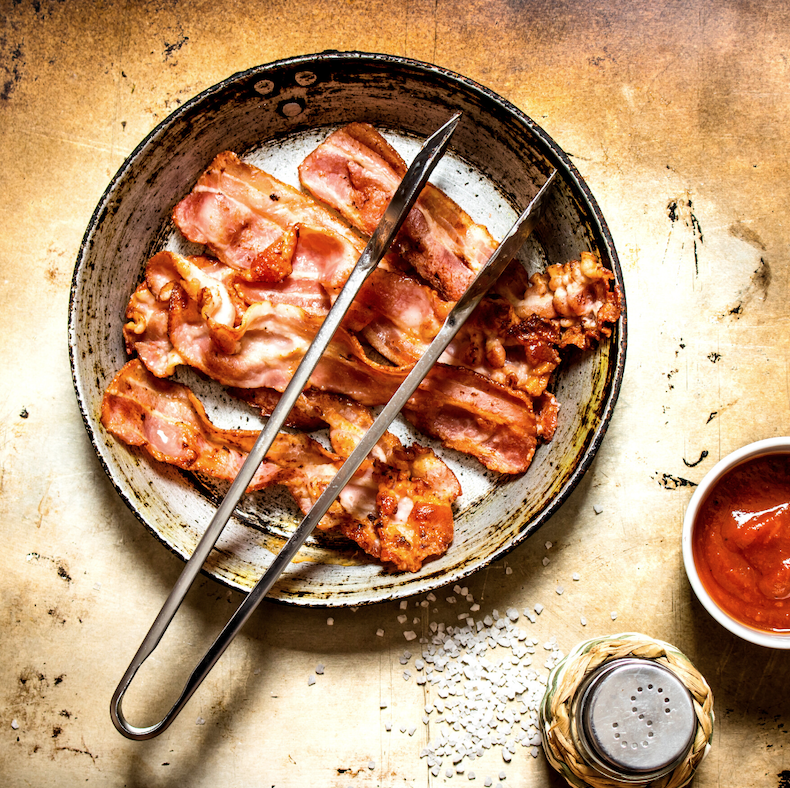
(472, 414)
(399, 513)
(576, 297)
(263, 350)
(416, 489)
(356, 172)
(242, 213)
(169, 422)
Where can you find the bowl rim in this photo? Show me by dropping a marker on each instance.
(760, 448)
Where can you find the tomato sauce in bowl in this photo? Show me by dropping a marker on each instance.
(740, 542)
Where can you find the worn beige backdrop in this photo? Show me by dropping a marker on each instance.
(675, 113)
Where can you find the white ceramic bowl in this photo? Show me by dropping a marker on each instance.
(749, 452)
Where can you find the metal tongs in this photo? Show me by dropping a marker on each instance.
(399, 207)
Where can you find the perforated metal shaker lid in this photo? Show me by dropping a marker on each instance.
(634, 719)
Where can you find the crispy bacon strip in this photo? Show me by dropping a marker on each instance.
(289, 249)
(356, 172)
(416, 489)
(472, 414)
(398, 513)
(169, 422)
(244, 216)
(263, 350)
(576, 297)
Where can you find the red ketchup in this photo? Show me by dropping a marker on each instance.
(741, 543)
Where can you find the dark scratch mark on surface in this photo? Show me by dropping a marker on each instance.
(11, 63)
(714, 357)
(702, 456)
(78, 752)
(669, 482)
(170, 49)
(712, 416)
(682, 209)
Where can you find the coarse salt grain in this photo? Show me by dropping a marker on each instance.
(319, 669)
(614, 615)
(380, 633)
(330, 621)
(410, 634)
(483, 694)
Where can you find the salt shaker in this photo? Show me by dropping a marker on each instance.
(626, 710)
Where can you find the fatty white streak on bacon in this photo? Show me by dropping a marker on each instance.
(356, 172)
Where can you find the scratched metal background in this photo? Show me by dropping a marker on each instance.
(675, 114)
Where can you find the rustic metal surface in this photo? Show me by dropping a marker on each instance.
(676, 117)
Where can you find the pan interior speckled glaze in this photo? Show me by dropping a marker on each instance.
(273, 115)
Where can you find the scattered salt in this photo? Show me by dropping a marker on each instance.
(380, 633)
(508, 570)
(319, 669)
(539, 608)
(371, 765)
(597, 509)
(410, 634)
(200, 721)
(548, 545)
(576, 576)
(614, 615)
(310, 681)
(330, 621)
(546, 561)
(15, 725)
(560, 590)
